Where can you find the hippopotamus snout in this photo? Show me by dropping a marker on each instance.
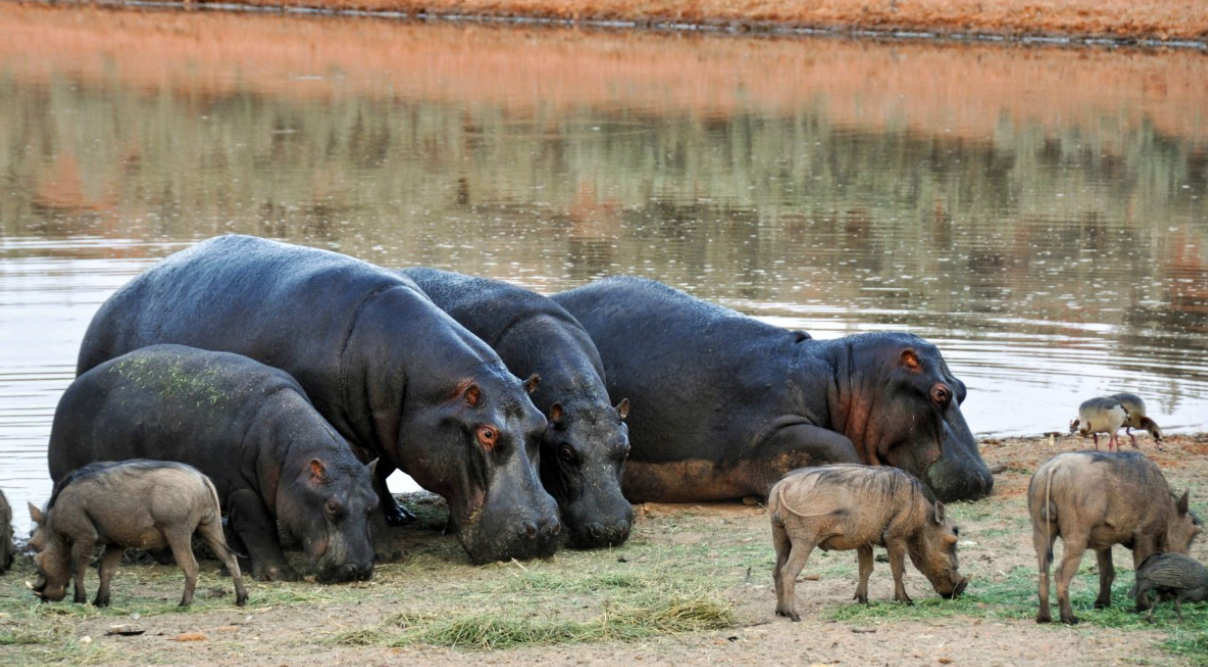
(596, 534)
(346, 572)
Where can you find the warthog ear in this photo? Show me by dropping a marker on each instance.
(910, 359)
(555, 413)
(939, 512)
(530, 385)
(36, 514)
(318, 470)
(623, 408)
(1185, 502)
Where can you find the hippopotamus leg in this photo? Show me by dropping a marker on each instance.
(257, 530)
(753, 474)
(396, 514)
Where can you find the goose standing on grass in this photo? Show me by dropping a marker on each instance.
(1100, 415)
(1135, 407)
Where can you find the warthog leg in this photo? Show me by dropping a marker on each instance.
(1107, 574)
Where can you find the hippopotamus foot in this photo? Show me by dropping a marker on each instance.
(396, 514)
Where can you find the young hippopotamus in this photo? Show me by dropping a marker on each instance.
(726, 405)
(139, 503)
(585, 445)
(844, 507)
(282, 472)
(7, 550)
(1096, 500)
(398, 378)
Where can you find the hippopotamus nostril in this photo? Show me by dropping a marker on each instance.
(530, 528)
(594, 530)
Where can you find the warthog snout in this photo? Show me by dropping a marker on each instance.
(956, 592)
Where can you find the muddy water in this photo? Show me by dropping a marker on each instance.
(1039, 214)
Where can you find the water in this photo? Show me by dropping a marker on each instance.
(1038, 213)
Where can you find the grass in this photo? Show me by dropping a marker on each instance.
(501, 629)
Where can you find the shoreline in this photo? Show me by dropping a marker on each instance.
(1161, 24)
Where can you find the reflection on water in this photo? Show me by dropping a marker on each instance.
(1039, 214)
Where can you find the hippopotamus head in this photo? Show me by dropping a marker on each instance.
(901, 407)
(325, 507)
(582, 455)
(479, 447)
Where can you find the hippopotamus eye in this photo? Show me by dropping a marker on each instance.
(487, 437)
(941, 394)
(567, 453)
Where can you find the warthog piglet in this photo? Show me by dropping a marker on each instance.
(1095, 500)
(844, 507)
(138, 503)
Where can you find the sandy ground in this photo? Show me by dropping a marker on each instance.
(1124, 20)
(295, 624)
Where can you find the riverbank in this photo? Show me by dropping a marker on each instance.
(691, 587)
(1157, 22)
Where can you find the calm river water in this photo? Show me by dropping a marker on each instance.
(1040, 214)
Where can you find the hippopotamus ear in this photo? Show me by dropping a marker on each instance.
(372, 465)
(530, 385)
(910, 359)
(472, 394)
(318, 470)
(1184, 502)
(556, 414)
(36, 514)
(939, 512)
(623, 408)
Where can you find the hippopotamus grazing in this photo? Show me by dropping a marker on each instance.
(395, 375)
(277, 465)
(725, 405)
(586, 442)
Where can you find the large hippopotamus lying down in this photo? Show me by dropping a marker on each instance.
(395, 375)
(725, 405)
(587, 441)
(278, 467)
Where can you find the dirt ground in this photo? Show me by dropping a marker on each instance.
(719, 551)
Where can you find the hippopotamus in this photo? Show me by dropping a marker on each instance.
(725, 405)
(277, 465)
(398, 378)
(586, 441)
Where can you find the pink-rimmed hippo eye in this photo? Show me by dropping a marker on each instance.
(487, 437)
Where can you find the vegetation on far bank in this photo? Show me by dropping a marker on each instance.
(1118, 20)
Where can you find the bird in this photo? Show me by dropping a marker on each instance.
(1100, 415)
(1135, 407)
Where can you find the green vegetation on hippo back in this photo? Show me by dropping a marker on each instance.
(281, 471)
(724, 405)
(1094, 500)
(399, 379)
(140, 504)
(845, 507)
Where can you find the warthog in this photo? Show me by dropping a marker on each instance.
(7, 550)
(844, 507)
(1096, 500)
(137, 503)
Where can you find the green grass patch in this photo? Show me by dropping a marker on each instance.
(501, 629)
